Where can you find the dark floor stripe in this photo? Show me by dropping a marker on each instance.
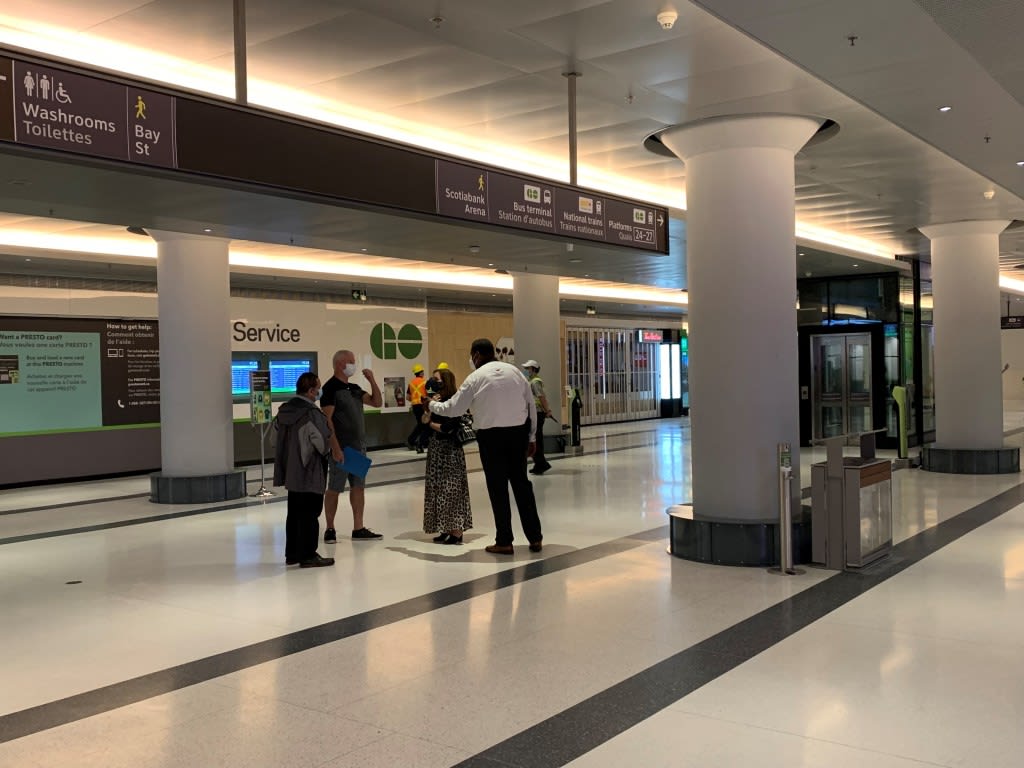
(79, 503)
(575, 731)
(235, 505)
(63, 711)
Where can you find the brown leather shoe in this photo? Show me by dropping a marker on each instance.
(499, 549)
(536, 546)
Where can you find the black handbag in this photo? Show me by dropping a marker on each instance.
(463, 432)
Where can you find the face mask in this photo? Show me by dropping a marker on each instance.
(320, 393)
(350, 370)
(472, 365)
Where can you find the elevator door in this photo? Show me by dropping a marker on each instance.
(841, 390)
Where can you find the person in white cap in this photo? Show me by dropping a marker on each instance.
(540, 399)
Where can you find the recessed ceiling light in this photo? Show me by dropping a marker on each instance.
(856, 265)
(575, 261)
(1020, 163)
(207, 229)
(363, 250)
(28, 259)
(944, 109)
(801, 253)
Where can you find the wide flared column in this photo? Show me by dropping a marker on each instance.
(968, 351)
(741, 280)
(196, 442)
(536, 317)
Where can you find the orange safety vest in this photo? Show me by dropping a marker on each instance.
(417, 390)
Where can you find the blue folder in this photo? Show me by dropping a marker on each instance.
(355, 463)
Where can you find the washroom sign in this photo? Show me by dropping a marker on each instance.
(58, 109)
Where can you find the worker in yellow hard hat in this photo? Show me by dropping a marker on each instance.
(417, 393)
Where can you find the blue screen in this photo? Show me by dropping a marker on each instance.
(240, 376)
(284, 374)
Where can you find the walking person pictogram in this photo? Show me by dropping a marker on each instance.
(140, 109)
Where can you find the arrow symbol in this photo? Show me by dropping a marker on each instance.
(661, 220)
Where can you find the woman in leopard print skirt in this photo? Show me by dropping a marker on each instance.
(446, 493)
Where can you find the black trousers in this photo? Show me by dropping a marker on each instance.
(301, 527)
(503, 456)
(421, 432)
(539, 461)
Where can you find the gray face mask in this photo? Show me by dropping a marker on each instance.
(320, 393)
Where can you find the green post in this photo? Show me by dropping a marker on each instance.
(899, 394)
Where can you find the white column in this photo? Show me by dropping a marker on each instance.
(535, 317)
(193, 291)
(741, 279)
(968, 352)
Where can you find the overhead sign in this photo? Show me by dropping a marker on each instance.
(473, 193)
(57, 109)
(1012, 322)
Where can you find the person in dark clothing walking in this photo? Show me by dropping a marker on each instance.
(540, 400)
(417, 393)
(300, 465)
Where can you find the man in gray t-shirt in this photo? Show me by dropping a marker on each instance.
(342, 402)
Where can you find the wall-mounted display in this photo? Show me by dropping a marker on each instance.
(74, 374)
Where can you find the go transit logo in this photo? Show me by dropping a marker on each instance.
(386, 344)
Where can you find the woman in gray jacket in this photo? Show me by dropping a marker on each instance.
(300, 464)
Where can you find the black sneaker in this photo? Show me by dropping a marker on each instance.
(365, 534)
(330, 536)
(316, 562)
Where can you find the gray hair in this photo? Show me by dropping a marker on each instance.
(340, 354)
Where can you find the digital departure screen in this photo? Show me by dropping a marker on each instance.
(284, 374)
(240, 376)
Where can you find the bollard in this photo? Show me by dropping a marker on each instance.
(785, 464)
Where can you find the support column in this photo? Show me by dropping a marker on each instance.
(741, 280)
(968, 351)
(536, 319)
(196, 442)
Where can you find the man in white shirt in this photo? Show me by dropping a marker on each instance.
(504, 418)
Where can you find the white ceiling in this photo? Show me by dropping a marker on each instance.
(487, 82)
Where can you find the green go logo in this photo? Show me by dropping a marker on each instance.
(386, 344)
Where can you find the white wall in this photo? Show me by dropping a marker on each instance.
(322, 328)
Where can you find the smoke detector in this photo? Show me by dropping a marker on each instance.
(667, 19)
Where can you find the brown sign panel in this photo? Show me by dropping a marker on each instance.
(462, 191)
(6, 99)
(473, 193)
(60, 110)
(151, 123)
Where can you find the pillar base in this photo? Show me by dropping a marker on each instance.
(201, 489)
(725, 542)
(966, 461)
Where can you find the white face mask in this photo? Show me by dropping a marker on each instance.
(320, 393)
(472, 365)
(350, 370)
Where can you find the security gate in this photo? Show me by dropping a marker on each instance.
(615, 373)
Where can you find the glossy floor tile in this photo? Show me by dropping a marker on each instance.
(411, 654)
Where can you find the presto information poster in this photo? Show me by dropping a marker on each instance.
(71, 374)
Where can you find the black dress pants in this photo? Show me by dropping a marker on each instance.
(539, 460)
(421, 432)
(503, 456)
(301, 527)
